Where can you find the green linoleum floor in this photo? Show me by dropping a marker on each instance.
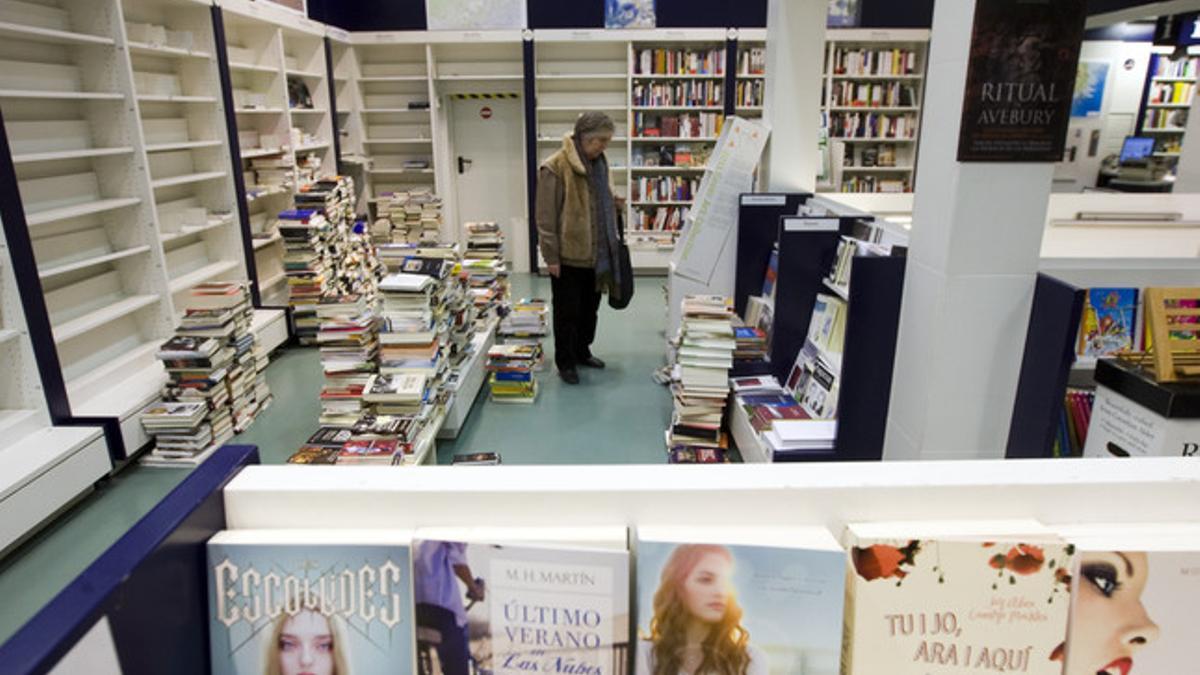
(616, 416)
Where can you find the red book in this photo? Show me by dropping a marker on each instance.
(765, 415)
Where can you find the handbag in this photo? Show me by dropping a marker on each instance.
(622, 292)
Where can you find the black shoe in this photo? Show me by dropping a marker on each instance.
(592, 362)
(570, 376)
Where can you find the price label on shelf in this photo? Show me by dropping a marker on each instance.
(763, 200)
(810, 224)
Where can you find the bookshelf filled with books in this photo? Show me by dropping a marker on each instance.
(172, 52)
(677, 108)
(1168, 103)
(751, 83)
(874, 87)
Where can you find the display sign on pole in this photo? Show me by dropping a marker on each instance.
(1020, 80)
(713, 215)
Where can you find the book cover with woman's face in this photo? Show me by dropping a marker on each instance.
(1133, 613)
(738, 610)
(289, 609)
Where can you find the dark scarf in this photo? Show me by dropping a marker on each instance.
(604, 215)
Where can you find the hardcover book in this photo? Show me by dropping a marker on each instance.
(530, 606)
(310, 601)
(949, 598)
(768, 600)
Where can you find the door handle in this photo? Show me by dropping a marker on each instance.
(463, 164)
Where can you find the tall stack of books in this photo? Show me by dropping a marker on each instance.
(412, 332)
(353, 269)
(211, 361)
(700, 377)
(488, 281)
(511, 367)
(415, 216)
(392, 256)
(349, 342)
(460, 315)
(307, 263)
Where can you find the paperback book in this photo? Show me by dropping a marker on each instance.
(310, 601)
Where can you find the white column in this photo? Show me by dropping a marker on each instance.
(977, 230)
(795, 60)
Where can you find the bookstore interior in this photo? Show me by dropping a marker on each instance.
(453, 337)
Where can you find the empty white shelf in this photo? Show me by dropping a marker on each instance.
(273, 281)
(479, 78)
(578, 108)
(309, 111)
(394, 111)
(398, 141)
(583, 76)
(94, 319)
(183, 145)
(392, 78)
(162, 50)
(37, 34)
(304, 73)
(251, 153)
(64, 95)
(83, 153)
(187, 232)
(169, 98)
(187, 178)
(97, 260)
(312, 146)
(259, 111)
(7, 336)
(250, 67)
(203, 274)
(15, 423)
(76, 210)
(401, 170)
(263, 242)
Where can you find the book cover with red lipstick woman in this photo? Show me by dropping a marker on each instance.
(1133, 612)
(942, 606)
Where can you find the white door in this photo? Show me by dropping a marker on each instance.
(487, 156)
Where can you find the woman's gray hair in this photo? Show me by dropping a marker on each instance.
(593, 123)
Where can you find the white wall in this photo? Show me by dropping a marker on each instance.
(1122, 98)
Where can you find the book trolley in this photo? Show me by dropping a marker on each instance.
(807, 245)
(152, 582)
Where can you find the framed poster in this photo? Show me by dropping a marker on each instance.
(1088, 98)
(475, 14)
(1020, 80)
(629, 14)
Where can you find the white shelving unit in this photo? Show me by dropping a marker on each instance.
(389, 93)
(851, 91)
(183, 124)
(71, 85)
(1169, 102)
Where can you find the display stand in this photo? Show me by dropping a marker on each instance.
(473, 378)
(162, 556)
(757, 235)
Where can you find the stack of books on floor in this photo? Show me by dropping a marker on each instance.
(700, 380)
(349, 343)
(211, 361)
(415, 216)
(526, 321)
(353, 267)
(180, 429)
(307, 263)
(511, 367)
(413, 335)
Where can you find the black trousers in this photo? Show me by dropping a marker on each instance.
(453, 651)
(576, 303)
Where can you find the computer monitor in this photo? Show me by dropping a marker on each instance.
(1136, 148)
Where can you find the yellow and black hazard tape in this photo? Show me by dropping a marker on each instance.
(484, 97)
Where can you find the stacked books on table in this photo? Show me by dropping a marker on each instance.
(511, 367)
(778, 420)
(814, 378)
(352, 268)
(488, 281)
(391, 256)
(484, 241)
(415, 216)
(306, 261)
(526, 320)
(700, 379)
(400, 411)
(349, 343)
(750, 343)
(460, 315)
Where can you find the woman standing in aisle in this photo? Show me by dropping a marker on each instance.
(577, 233)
